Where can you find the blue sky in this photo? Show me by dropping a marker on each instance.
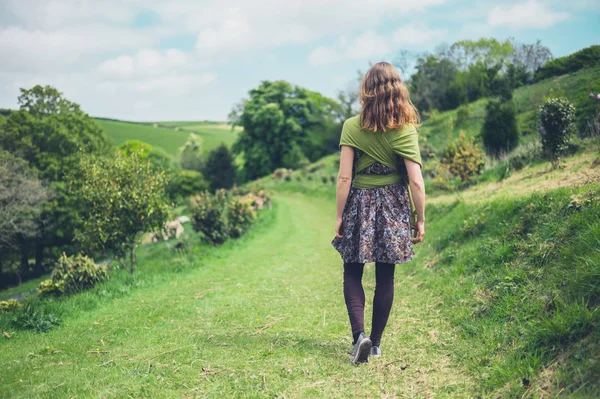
(192, 60)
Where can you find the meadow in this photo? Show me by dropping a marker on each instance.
(500, 300)
(480, 312)
(169, 139)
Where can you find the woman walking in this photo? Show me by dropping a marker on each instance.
(380, 198)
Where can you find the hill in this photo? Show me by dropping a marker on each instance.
(170, 136)
(437, 130)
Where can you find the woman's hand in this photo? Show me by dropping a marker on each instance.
(338, 228)
(419, 232)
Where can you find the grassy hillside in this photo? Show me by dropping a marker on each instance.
(166, 136)
(576, 87)
(501, 300)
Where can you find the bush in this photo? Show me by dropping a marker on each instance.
(33, 315)
(556, 127)
(463, 158)
(240, 216)
(50, 287)
(209, 216)
(280, 173)
(499, 131)
(462, 116)
(72, 274)
(185, 183)
(9, 306)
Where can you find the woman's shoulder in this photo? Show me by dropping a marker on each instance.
(407, 129)
(352, 122)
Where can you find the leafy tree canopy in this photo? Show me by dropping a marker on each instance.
(274, 117)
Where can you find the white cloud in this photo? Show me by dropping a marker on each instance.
(146, 62)
(36, 50)
(369, 45)
(121, 67)
(531, 14)
(175, 84)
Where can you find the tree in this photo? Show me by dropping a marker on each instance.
(122, 198)
(499, 131)
(49, 132)
(22, 196)
(556, 127)
(220, 169)
(274, 117)
(348, 99)
(191, 154)
(487, 52)
(530, 57)
(431, 81)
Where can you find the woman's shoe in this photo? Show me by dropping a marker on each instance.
(361, 349)
(375, 351)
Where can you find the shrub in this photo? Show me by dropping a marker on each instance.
(208, 216)
(185, 183)
(280, 173)
(33, 315)
(324, 179)
(463, 158)
(240, 216)
(556, 127)
(499, 131)
(462, 116)
(72, 274)
(51, 288)
(443, 179)
(9, 306)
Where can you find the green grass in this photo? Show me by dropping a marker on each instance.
(262, 316)
(169, 140)
(576, 87)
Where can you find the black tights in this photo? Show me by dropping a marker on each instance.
(354, 295)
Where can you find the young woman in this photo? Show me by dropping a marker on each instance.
(379, 190)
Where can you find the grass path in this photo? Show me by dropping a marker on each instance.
(264, 318)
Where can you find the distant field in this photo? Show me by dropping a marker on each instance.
(170, 140)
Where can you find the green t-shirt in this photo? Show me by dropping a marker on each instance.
(389, 148)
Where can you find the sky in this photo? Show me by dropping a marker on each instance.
(149, 60)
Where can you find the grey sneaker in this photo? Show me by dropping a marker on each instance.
(375, 351)
(361, 349)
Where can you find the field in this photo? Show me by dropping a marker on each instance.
(263, 316)
(500, 301)
(169, 139)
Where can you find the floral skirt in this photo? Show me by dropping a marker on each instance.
(376, 226)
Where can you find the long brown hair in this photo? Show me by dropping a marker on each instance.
(385, 100)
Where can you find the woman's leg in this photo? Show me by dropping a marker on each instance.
(354, 296)
(383, 299)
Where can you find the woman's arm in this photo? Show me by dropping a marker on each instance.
(417, 189)
(344, 181)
